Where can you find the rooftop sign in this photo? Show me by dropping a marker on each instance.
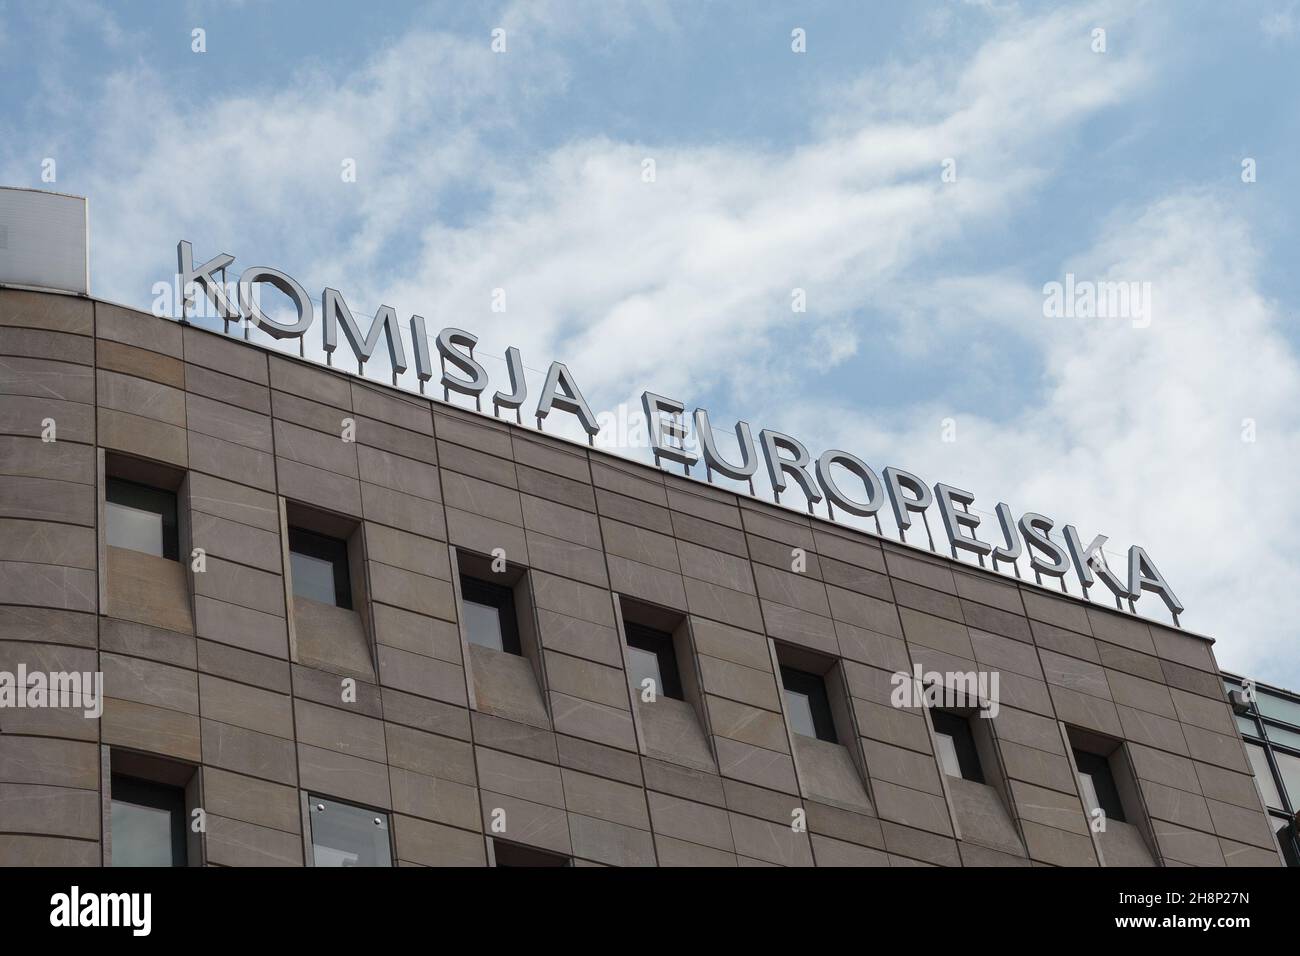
(838, 477)
(44, 240)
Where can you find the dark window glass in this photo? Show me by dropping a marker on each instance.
(347, 835)
(489, 615)
(651, 654)
(807, 704)
(512, 854)
(141, 518)
(1286, 838)
(148, 823)
(319, 565)
(956, 745)
(1098, 785)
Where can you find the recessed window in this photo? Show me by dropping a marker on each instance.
(956, 746)
(148, 823)
(141, 518)
(346, 835)
(512, 854)
(1098, 785)
(807, 705)
(488, 611)
(319, 565)
(650, 655)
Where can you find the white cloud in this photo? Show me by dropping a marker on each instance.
(683, 284)
(1138, 432)
(1279, 25)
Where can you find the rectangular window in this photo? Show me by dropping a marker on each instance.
(1277, 707)
(319, 566)
(489, 615)
(956, 746)
(807, 704)
(650, 654)
(512, 854)
(346, 835)
(1289, 767)
(1098, 785)
(1264, 776)
(141, 518)
(148, 823)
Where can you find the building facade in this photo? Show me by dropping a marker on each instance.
(1269, 721)
(341, 624)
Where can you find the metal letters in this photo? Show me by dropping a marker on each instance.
(671, 439)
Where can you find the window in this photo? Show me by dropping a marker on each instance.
(1289, 767)
(512, 854)
(1098, 785)
(807, 704)
(1282, 736)
(319, 566)
(148, 823)
(650, 654)
(1286, 838)
(956, 746)
(347, 835)
(1264, 776)
(1277, 707)
(141, 518)
(489, 615)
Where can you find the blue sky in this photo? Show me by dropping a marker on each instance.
(774, 171)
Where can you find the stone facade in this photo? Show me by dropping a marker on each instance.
(236, 683)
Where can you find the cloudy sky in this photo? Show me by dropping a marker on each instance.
(920, 172)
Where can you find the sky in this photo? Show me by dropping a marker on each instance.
(654, 185)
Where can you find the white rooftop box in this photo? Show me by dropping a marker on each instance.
(44, 240)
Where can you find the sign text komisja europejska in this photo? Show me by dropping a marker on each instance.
(786, 459)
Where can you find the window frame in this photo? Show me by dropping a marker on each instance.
(812, 686)
(323, 547)
(313, 797)
(139, 496)
(1091, 765)
(956, 728)
(142, 792)
(660, 644)
(501, 597)
(540, 858)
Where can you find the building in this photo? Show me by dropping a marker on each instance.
(341, 624)
(1269, 721)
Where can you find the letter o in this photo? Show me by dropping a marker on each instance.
(284, 283)
(875, 490)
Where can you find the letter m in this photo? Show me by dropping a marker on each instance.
(1115, 295)
(385, 324)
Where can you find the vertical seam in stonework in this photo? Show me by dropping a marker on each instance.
(699, 672)
(100, 571)
(776, 675)
(305, 821)
(609, 581)
(466, 677)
